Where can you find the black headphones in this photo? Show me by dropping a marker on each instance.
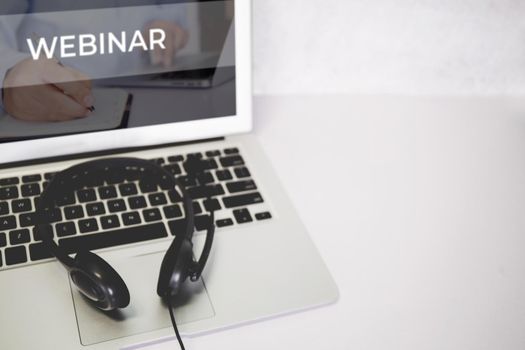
(91, 274)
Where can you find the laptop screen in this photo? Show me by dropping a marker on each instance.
(76, 66)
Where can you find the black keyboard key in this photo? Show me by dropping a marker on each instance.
(8, 192)
(116, 205)
(242, 172)
(205, 178)
(137, 202)
(31, 178)
(151, 215)
(197, 166)
(107, 192)
(147, 186)
(223, 175)
(21, 205)
(177, 227)
(15, 255)
(4, 208)
(114, 238)
(65, 229)
(1, 262)
(205, 191)
(30, 190)
(187, 181)
(66, 199)
(210, 164)
(224, 222)
(19, 237)
(242, 200)
(87, 225)
(37, 236)
(94, 209)
(202, 222)
(7, 223)
(9, 181)
(263, 216)
(242, 216)
(167, 182)
(174, 196)
(38, 251)
(173, 169)
(175, 159)
(231, 161)
(27, 219)
(110, 221)
(49, 176)
(53, 215)
(213, 153)
(196, 208)
(212, 204)
(158, 161)
(132, 218)
(233, 150)
(241, 186)
(172, 211)
(87, 195)
(128, 189)
(197, 155)
(3, 239)
(74, 212)
(157, 199)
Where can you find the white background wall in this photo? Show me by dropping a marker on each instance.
(393, 46)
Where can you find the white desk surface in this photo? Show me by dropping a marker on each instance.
(418, 208)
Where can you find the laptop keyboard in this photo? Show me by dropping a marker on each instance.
(120, 212)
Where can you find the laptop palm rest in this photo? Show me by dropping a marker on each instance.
(146, 312)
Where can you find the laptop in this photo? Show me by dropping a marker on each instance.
(263, 263)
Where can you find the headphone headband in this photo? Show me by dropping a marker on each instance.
(94, 277)
(97, 172)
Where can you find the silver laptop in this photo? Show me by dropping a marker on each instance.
(263, 263)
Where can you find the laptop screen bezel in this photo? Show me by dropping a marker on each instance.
(157, 134)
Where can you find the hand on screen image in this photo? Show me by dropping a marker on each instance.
(44, 90)
(176, 39)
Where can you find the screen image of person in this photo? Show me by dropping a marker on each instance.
(52, 51)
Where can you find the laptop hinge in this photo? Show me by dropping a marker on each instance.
(113, 151)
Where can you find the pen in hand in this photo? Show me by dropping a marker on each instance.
(37, 38)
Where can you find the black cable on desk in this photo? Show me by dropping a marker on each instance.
(172, 316)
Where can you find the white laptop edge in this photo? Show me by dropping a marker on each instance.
(158, 134)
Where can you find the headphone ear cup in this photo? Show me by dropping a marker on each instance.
(99, 282)
(176, 267)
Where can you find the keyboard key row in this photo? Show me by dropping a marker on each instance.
(139, 202)
(101, 240)
(18, 255)
(28, 190)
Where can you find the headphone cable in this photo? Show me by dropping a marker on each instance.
(174, 323)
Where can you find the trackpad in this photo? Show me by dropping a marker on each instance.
(146, 311)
